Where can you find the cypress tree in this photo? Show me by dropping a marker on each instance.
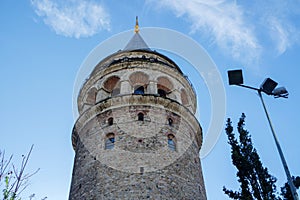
(255, 180)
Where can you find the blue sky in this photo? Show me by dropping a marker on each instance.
(43, 43)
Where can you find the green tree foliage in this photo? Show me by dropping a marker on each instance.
(286, 191)
(255, 181)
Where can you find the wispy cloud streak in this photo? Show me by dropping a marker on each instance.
(223, 20)
(73, 18)
(240, 29)
(279, 24)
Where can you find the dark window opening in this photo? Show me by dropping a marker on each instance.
(170, 121)
(139, 90)
(171, 142)
(141, 170)
(140, 117)
(110, 141)
(110, 121)
(162, 93)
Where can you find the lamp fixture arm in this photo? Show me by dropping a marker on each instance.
(285, 166)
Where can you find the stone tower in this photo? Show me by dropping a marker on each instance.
(137, 136)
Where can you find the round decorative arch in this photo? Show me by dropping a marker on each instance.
(138, 78)
(184, 97)
(91, 96)
(111, 83)
(164, 83)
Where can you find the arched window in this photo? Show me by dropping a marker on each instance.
(91, 96)
(140, 117)
(164, 86)
(112, 85)
(110, 141)
(139, 90)
(170, 121)
(139, 80)
(162, 93)
(171, 142)
(110, 121)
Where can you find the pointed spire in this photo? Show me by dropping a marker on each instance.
(136, 30)
(136, 41)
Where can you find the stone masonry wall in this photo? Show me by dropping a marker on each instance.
(93, 180)
(141, 165)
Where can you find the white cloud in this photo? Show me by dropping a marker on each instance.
(280, 28)
(244, 29)
(73, 18)
(279, 34)
(223, 20)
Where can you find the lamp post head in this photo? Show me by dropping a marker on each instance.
(280, 92)
(268, 86)
(235, 77)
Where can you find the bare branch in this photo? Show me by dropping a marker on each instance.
(4, 165)
(19, 175)
(17, 180)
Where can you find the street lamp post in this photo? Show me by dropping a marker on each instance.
(269, 87)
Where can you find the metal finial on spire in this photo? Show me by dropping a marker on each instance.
(136, 30)
(136, 42)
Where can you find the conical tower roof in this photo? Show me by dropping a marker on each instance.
(142, 54)
(136, 42)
